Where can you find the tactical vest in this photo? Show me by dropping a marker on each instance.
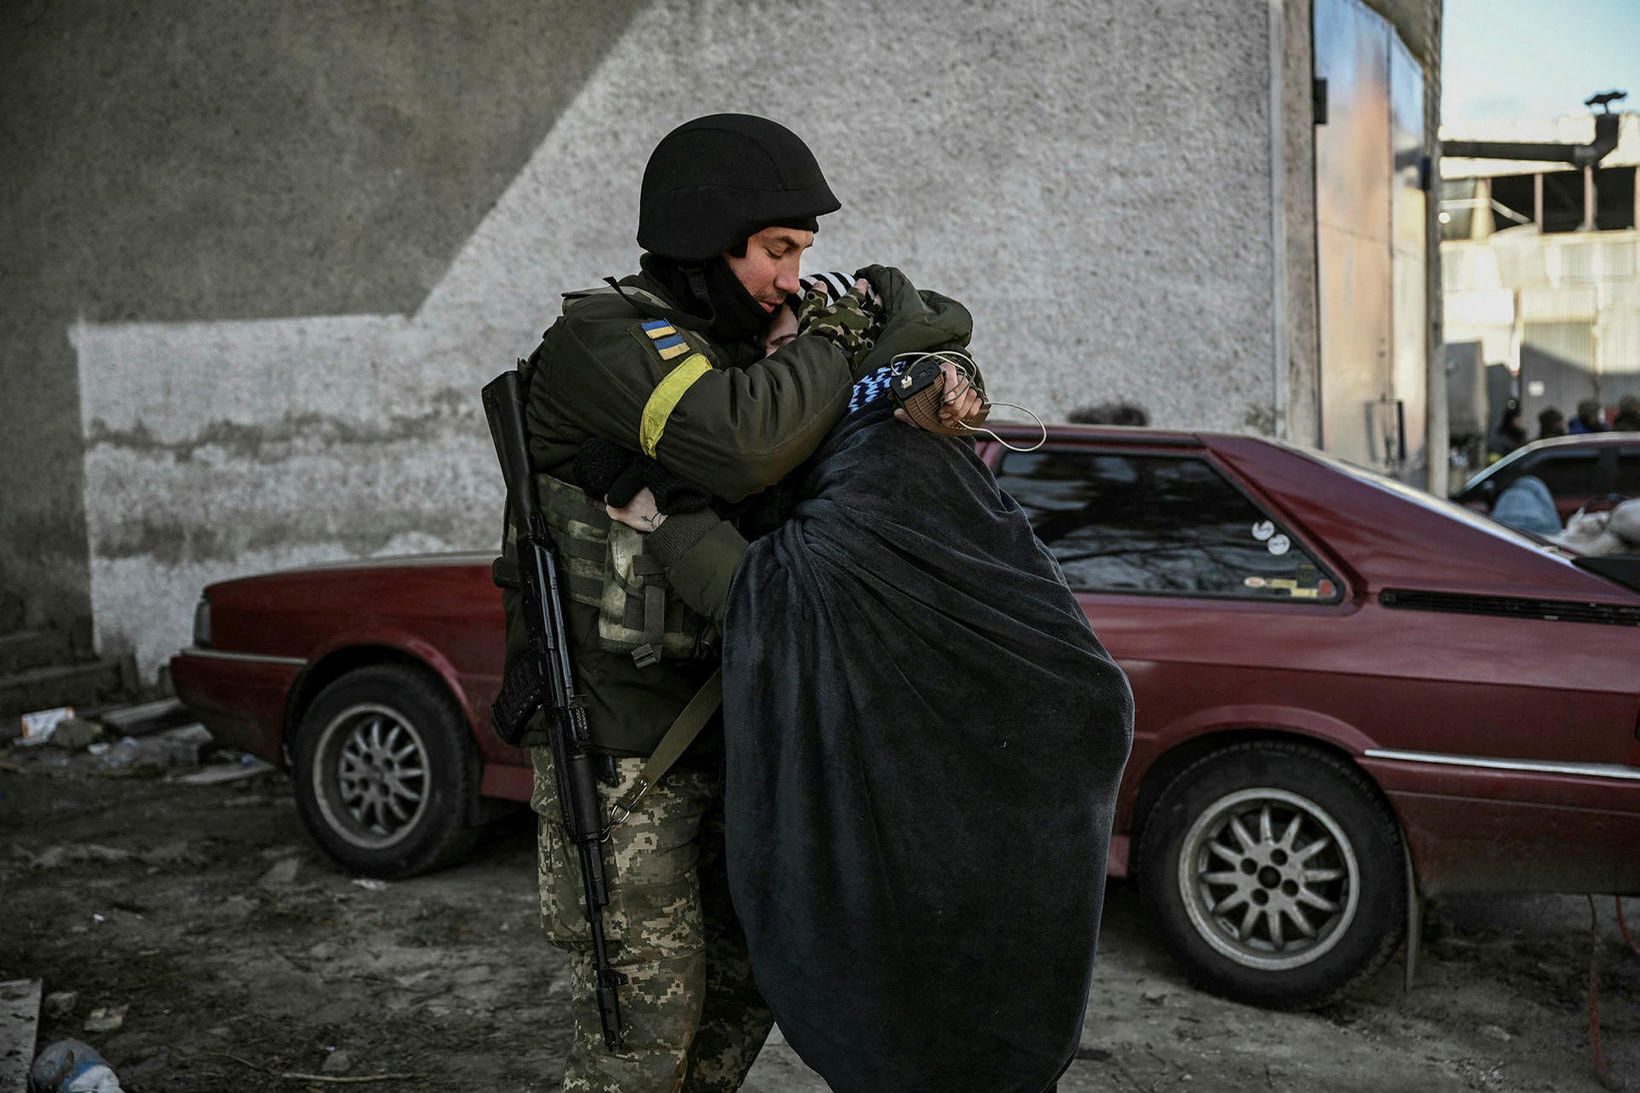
(602, 565)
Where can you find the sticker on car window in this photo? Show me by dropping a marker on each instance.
(1307, 586)
(1279, 545)
(1263, 530)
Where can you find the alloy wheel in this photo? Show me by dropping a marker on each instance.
(370, 779)
(1269, 878)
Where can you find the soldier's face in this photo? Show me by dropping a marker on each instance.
(770, 267)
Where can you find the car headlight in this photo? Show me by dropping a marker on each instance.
(202, 624)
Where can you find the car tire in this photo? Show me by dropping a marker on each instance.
(1262, 911)
(385, 772)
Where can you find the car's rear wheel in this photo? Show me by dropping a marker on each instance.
(1275, 873)
(385, 772)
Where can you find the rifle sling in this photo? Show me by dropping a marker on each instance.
(683, 731)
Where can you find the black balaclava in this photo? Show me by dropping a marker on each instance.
(735, 312)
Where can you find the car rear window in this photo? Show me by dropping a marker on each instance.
(1167, 525)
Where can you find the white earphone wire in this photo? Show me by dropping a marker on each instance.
(964, 364)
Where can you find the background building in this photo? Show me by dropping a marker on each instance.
(1376, 103)
(1540, 263)
(260, 258)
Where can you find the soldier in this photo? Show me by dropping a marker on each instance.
(669, 361)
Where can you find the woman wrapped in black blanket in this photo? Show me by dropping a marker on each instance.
(923, 742)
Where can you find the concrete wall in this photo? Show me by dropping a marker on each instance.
(277, 250)
(176, 163)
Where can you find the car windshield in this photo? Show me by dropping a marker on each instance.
(1482, 475)
(1452, 509)
(1502, 466)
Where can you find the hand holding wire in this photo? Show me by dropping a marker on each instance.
(961, 407)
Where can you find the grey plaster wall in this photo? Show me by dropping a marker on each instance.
(188, 162)
(291, 244)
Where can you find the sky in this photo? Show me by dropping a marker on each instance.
(1505, 59)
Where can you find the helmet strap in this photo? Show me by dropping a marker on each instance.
(696, 276)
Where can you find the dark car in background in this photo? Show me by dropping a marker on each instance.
(1349, 695)
(1588, 471)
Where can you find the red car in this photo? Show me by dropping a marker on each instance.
(1589, 471)
(1349, 694)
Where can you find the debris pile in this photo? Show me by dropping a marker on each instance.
(160, 738)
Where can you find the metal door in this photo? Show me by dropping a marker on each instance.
(1371, 242)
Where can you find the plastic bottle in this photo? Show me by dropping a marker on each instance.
(69, 1066)
(125, 752)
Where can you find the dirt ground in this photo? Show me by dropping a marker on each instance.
(243, 959)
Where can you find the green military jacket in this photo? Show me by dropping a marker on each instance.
(699, 551)
(716, 412)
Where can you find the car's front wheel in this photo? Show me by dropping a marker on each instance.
(1275, 873)
(385, 771)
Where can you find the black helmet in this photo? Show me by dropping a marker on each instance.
(714, 181)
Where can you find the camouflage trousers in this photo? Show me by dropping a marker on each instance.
(692, 1016)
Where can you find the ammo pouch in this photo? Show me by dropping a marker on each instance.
(603, 565)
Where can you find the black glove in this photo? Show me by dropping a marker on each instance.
(605, 469)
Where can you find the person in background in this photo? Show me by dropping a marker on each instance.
(1109, 413)
(1628, 414)
(1509, 434)
(1551, 422)
(1527, 506)
(1589, 418)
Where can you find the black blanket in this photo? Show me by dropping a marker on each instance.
(924, 744)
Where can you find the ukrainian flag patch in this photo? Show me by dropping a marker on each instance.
(666, 340)
(671, 347)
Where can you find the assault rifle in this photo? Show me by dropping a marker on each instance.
(542, 678)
